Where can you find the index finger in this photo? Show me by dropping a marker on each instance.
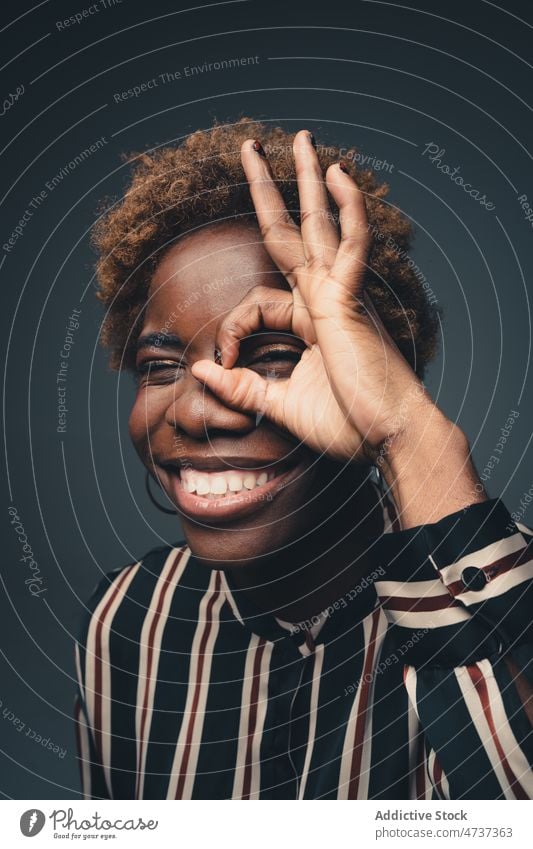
(263, 307)
(280, 234)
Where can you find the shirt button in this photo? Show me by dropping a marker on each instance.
(474, 579)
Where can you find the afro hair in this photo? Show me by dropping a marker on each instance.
(174, 190)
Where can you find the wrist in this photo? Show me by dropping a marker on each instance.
(428, 469)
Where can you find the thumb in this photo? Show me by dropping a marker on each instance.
(243, 389)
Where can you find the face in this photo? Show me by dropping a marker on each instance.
(243, 489)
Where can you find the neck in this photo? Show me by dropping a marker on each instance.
(314, 572)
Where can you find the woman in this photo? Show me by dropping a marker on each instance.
(316, 634)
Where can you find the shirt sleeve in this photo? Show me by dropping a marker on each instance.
(460, 595)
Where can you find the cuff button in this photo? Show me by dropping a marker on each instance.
(474, 579)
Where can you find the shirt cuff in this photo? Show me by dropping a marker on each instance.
(467, 577)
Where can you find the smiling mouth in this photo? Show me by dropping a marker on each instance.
(228, 492)
(228, 482)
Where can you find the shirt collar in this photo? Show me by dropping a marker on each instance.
(250, 616)
(267, 626)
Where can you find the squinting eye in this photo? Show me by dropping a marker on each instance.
(276, 363)
(159, 371)
(277, 356)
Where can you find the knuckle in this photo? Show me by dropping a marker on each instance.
(252, 396)
(322, 215)
(272, 305)
(281, 221)
(260, 292)
(230, 327)
(316, 265)
(352, 241)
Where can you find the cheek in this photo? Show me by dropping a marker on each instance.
(145, 417)
(136, 426)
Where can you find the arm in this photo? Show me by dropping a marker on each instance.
(427, 466)
(463, 585)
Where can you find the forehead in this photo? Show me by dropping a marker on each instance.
(206, 274)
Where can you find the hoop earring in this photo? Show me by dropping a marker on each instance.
(152, 499)
(379, 480)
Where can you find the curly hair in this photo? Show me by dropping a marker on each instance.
(174, 190)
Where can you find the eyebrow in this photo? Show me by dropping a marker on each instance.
(159, 340)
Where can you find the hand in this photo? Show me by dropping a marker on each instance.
(349, 392)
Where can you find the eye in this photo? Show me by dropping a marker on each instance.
(274, 361)
(159, 372)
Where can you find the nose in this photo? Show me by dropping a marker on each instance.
(198, 413)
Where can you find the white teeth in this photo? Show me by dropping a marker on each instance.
(234, 481)
(202, 484)
(249, 480)
(218, 484)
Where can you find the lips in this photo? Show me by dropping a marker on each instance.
(226, 493)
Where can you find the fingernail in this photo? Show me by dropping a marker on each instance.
(258, 147)
(343, 167)
(312, 139)
(218, 357)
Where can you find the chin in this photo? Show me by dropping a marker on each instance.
(249, 520)
(238, 548)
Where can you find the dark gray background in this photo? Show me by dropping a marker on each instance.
(385, 77)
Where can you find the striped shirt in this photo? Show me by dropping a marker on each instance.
(399, 691)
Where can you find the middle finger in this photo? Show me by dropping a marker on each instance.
(319, 231)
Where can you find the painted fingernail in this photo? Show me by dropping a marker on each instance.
(312, 139)
(258, 147)
(343, 167)
(218, 357)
